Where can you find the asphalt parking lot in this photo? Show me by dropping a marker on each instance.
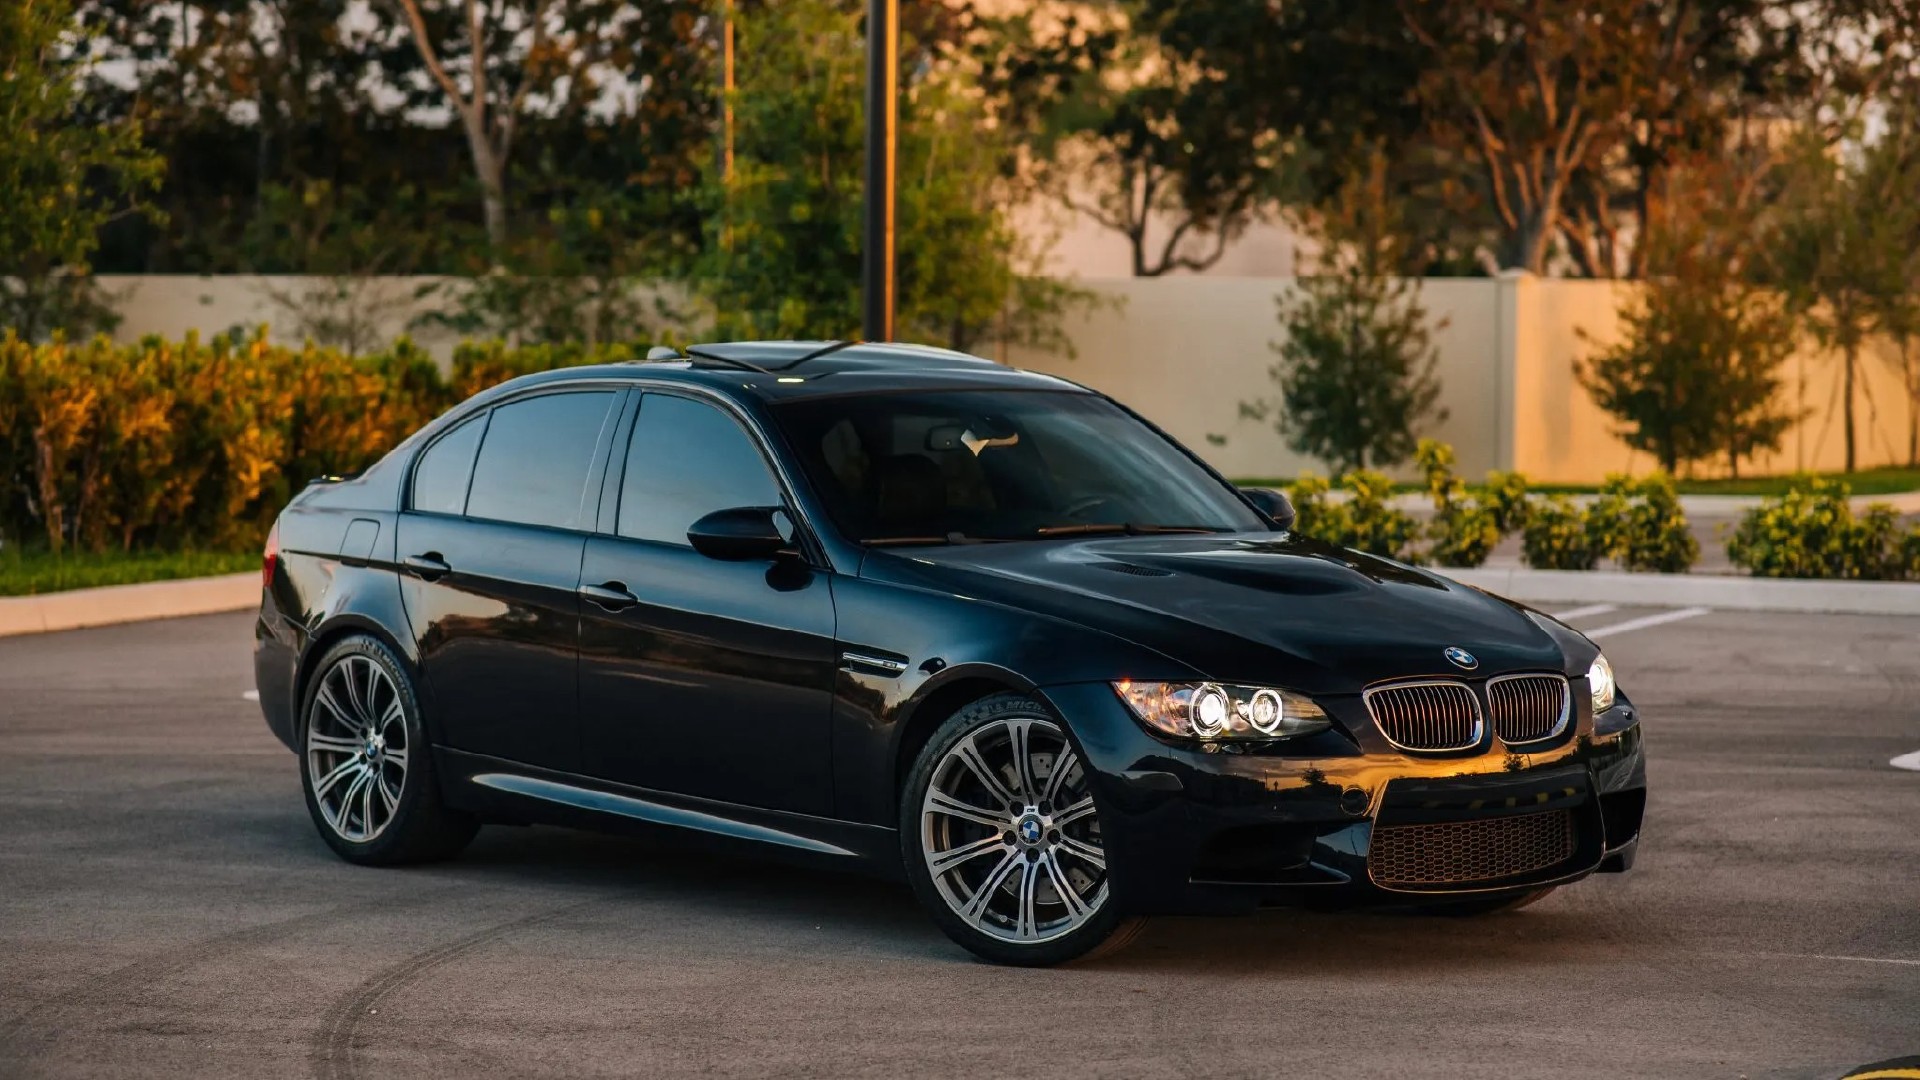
(166, 908)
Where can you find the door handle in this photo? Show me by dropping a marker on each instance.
(612, 596)
(428, 567)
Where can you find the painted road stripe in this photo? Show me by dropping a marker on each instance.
(1583, 612)
(1907, 761)
(251, 695)
(1648, 620)
(1853, 959)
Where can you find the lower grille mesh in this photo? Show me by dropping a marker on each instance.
(1461, 852)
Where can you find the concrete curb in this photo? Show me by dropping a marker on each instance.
(127, 603)
(1695, 590)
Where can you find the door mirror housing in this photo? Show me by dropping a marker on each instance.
(1274, 504)
(741, 534)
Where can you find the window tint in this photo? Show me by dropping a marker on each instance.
(687, 460)
(440, 480)
(533, 465)
(999, 465)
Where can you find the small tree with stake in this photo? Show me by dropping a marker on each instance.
(1696, 372)
(1356, 368)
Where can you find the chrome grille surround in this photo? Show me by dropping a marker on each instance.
(1470, 852)
(1529, 708)
(1427, 714)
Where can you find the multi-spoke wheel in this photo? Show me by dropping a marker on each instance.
(357, 748)
(1003, 840)
(365, 764)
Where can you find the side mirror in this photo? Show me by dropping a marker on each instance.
(1274, 504)
(742, 534)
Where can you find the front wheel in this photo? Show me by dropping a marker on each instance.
(366, 766)
(1002, 840)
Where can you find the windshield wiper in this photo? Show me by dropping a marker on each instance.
(1130, 528)
(927, 541)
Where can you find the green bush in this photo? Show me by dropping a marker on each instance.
(1465, 529)
(1556, 536)
(1812, 532)
(1364, 522)
(192, 445)
(1639, 524)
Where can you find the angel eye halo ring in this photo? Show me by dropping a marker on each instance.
(1220, 712)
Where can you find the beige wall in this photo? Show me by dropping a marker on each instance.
(1187, 350)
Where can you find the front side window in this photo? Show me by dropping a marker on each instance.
(440, 480)
(999, 465)
(686, 460)
(534, 461)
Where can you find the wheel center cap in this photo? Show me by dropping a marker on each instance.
(1030, 830)
(375, 744)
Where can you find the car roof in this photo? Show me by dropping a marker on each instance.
(788, 370)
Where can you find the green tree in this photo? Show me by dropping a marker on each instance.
(782, 248)
(1841, 247)
(1356, 367)
(60, 181)
(1125, 132)
(1696, 372)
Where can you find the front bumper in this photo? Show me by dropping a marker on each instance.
(1192, 830)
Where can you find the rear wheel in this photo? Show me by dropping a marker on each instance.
(1002, 840)
(365, 764)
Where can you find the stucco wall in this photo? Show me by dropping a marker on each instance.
(1187, 350)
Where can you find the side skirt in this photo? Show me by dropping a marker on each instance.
(506, 791)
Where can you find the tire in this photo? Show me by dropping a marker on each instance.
(1466, 909)
(366, 766)
(1009, 861)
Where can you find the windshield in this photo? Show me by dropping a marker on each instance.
(915, 467)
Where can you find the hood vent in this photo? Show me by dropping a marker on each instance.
(1136, 571)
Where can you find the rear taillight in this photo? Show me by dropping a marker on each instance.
(270, 559)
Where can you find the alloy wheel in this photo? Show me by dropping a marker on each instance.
(1009, 833)
(357, 748)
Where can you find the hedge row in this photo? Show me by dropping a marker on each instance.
(196, 445)
(1636, 523)
(1811, 531)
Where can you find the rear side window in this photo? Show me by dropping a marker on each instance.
(440, 480)
(534, 462)
(686, 460)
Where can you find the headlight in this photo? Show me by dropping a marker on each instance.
(1600, 681)
(1203, 710)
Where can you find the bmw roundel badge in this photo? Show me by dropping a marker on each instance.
(1461, 658)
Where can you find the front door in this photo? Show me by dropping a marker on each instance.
(698, 676)
(490, 552)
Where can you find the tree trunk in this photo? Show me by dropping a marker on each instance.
(491, 172)
(1852, 352)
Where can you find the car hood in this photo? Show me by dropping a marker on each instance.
(1247, 607)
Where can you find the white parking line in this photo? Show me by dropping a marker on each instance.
(1855, 959)
(1583, 612)
(1645, 621)
(1907, 761)
(250, 695)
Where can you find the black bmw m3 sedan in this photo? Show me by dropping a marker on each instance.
(912, 612)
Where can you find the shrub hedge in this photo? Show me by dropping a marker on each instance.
(195, 445)
(1812, 531)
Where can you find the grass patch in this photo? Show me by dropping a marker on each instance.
(28, 573)
(1892, 480)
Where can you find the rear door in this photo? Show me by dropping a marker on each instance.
(713, 678)
(490, 548)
